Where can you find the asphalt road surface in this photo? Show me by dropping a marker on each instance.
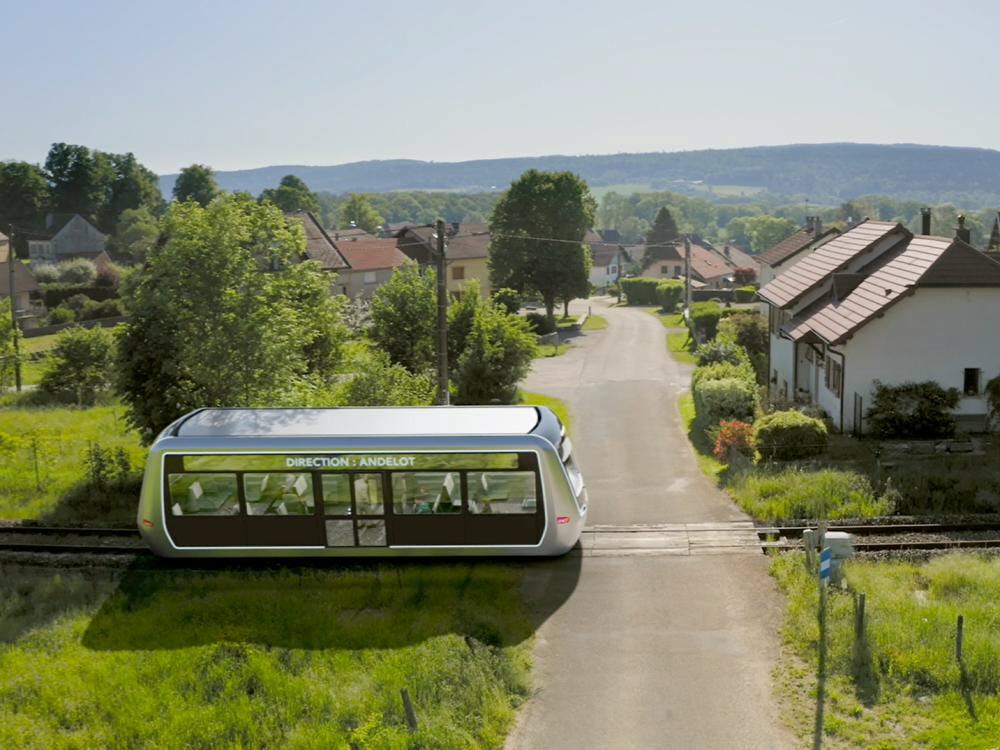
(646, 650)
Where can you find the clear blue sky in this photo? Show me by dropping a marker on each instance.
(244, 84)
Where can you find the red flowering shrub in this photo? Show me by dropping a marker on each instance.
(733, 436)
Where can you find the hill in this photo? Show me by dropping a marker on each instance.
(820, 173)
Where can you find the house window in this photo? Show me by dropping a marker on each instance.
(678, 270)
(612, 269)
(665, 270)
(369, 277)
(457, 273)
(833, 377)
(971, 381)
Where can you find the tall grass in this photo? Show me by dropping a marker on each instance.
(900, 686)
(42, 462)
(299, 658)
(797, 493)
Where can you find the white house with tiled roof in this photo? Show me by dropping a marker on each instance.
(880, 304)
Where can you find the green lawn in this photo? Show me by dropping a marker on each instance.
(38, 343)
(710, 466)
(552, 350)
(595, 323)
(899, 686)
(290, 657)
(555, 404)
(669, 320)
(679, 346)
(42, 468)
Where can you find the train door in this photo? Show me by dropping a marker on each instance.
(354, 509)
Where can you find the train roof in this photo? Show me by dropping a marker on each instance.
(361, 422)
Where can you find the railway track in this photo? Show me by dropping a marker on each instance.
(64, 540)
(892, 537)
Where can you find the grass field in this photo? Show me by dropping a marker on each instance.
(42, 468)
(595, 323)
(679, 346)
(552, 350)
(899, 685)
(271, 657)
(555, 404)
(38, 343)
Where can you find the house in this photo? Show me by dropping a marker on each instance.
(320, 247)
(742, 261)
(67, 236)
(878, 303)
(372, 263)
(24, 285)
(792, 249)
(608, 263)
(467, 252)
(711, 267)
(350, 235)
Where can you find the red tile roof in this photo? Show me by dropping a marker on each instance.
(372, 255)
(708, 264)
(739, 257)
(925, 261)
(791, 246)
(833, 256)
(470, 241)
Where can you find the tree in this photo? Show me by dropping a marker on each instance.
(767, 231)
(537, 234)
(135, 236)
(220, 317)
(379, 382)
(359, 212)
(404, 318)
(24, 196)
(660, 237)
(79, 179)
(132, 187)
(461, 317)
(575, 282)
(196, 183)
(80, 366)
(292, 194)
(498, 354)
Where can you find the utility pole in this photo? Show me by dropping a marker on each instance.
(442, 316)
(13, 312)
(687, 274)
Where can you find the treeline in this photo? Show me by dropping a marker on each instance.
(419, 207)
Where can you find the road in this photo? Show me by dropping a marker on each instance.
(647, 651)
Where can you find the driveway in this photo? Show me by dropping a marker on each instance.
(648, 650)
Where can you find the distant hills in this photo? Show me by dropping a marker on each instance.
(820, 173)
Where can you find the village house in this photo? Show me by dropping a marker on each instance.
(878, 303)
(321, 248)
(67, 236)
(742, 262)
(372, 263)
(792, 249)
(607, 264)
(468, 253)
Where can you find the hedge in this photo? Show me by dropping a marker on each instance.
(705, 320)
(723, 371)
(788, 435)
(744, 294)
(54, 295)
(913, 410)
(669, 294)
(640, 291)
(727, 399)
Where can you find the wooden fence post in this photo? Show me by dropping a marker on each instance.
(411, 716)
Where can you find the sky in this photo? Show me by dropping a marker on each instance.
(240, 84)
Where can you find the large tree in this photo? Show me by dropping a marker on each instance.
(404, 318)
(292, 194)
(537, 232)
(659, 239)
(135, 235)
(497, 355)
(221, 317)
(79, 179)
(359, 212)
(133, 186)
(24, 197)
(767, 231)
(196, 183)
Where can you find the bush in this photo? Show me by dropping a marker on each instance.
(379, 382)
(107, 277)
(744, 293)
(109, 308)
(746, 328)
(727, 399)
(539, 323)
(705, 320)
(77, 271)
(45, 273)
(60, 315)
(498, 353)
(80, 366)
(614, 290)
(77, 303)
(733, 436)
(722, 371)
(788, 435)
(508, 300)
(640, 291)
(669, 294)
(54, 295)
(720, 351)
(913, 410)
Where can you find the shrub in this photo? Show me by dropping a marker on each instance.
(539, 323)
(45, 273)
(669, 294)
(614, 290)
(107, 277)
(721, 371)
(77, 271)
(787, 435)
(109, 308)
(705, 320)
(744, 293)
(54, 295)
(508, 300)
(498, 353)
(913, 410)
(720, 351)
(60, 315)
(640, 291)
(77, 303)
(80, 366)
(379, 382)
(733, 436)
(726, 399)
(746, 328)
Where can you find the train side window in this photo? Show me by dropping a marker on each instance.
(511, 492)
(426, 492)
(336, 494)
(368, 494)
(203, 495)
(278, 494)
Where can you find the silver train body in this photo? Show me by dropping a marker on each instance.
(363, 482)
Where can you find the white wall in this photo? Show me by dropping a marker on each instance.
(933, 335)
(782, 360)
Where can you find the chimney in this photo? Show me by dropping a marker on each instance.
(925, 221)
(809, 225)
(962, 232)
(725, 251)
(817, 226)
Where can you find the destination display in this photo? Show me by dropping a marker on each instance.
(351, 461)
